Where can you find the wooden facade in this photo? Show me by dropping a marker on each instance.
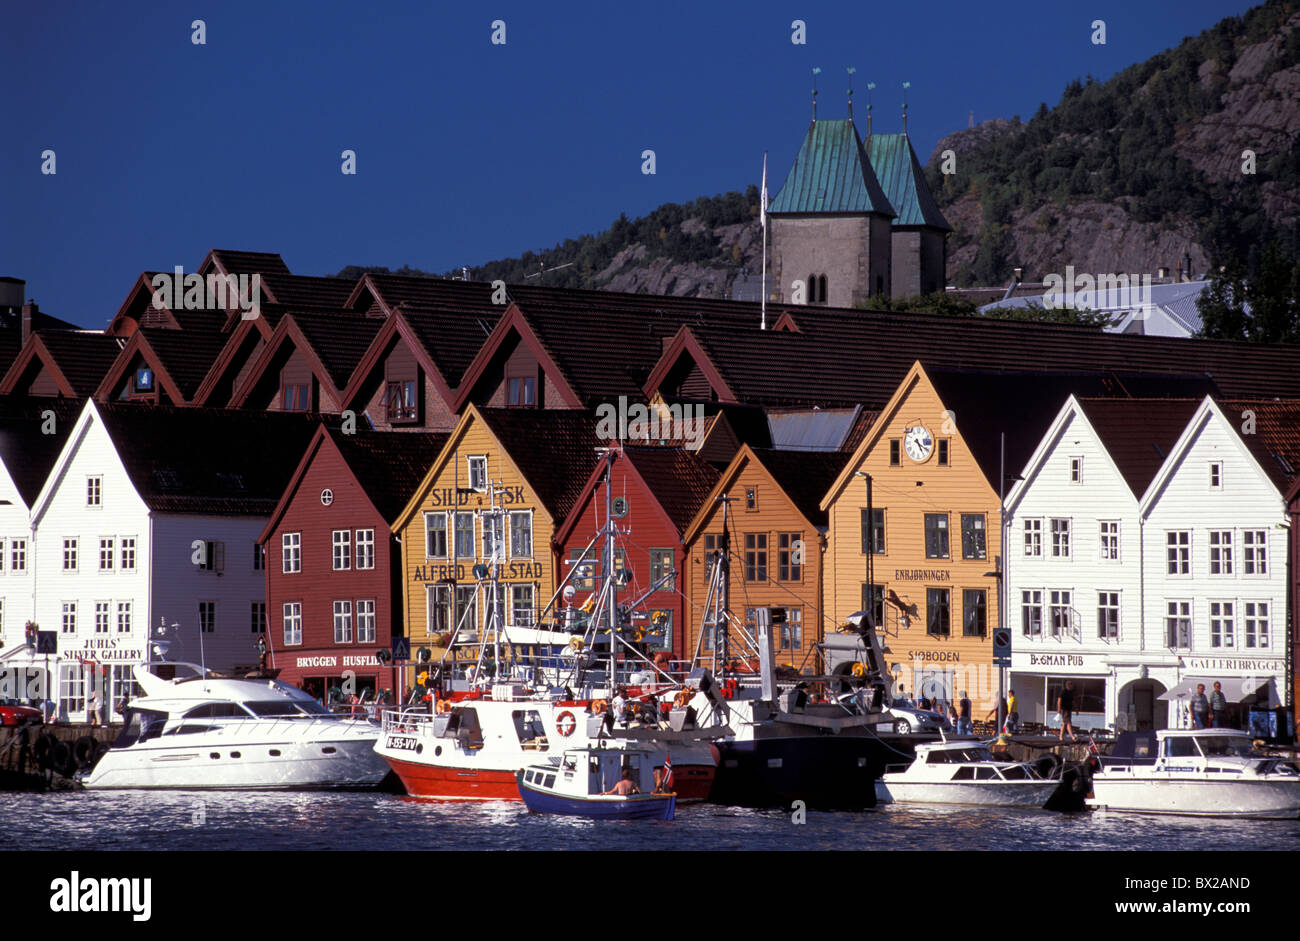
(934, 552)
(776, 553)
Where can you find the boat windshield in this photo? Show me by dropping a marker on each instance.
(958, 756)
(1217, 746)
(283, 708)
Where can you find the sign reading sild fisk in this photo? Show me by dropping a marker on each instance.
(448, 496)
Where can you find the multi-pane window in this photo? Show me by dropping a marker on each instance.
(493, 538)
(127, 549)
(72, 689)
(124, 617)
(521, 534)
(1216, 475)
(755, 557)
(975, 612)
(1060, 538)
(789, 557)
(1108, 615)
(1256, 623)
(751, 498)
(94, 491)
(292, 622)
(973, 540)
(343, 622)
(103, 614)
(521, 391)
(1254, 551)
(70, 555)
(291, 552)
(295, 397)
(1109, 539)
(1076, 470)
(365, 548)
(477, 472)
(1221, 624)
(438, 608)
(937, 621)
(18, 555)
(257, 617)
(259, 557)
(464, 535)
(936, 535)
(212, 556)
(792, 629)
(1060, 622)
(341, 542)
(1033, 537)
(712, 548)
(366, 621)
(68, 623)
(874, 535)
(1220, 552)
(435, 535)
(521, 605)
(106, 555)
(207, 616)
(1031, 613)
(1178, 625)
(466, 613)
(1178, 552)
(661, 567)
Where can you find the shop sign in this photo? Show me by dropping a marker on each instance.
(1245, 665)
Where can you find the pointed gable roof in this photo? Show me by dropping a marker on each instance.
(27, 451)
(903, 180)
(332, 345)
(1275, 439)
(77, 360)
(831, 174)
(1138, 434)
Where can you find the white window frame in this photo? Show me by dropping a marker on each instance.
(341, 550)
(343, 619)
(103, 616)
(1216, 475)
(68, 617)
(1186, 613)
(517, 606)
(1031, 599)
(1107, 551)
(1033, 537)
(1178, 552)
(71, 552)
(365, 549)
(291, 553)
(1255, 621)
(1221, 552)
(457, 517)
(1076, 469)
(431, 516)
(95, 491)
(126, 546)
(1104, 604)
(1223, 625)
(1061, 537)
(527, 514)
(18, 555)
(366, 621)
(124, 617)
(1254, 554)
(470, 464)
(292, 623)
(1060, 599)
(493, 526)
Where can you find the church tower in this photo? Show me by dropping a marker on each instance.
(919, 231)
(829, 223)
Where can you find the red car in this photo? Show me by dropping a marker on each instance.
(16, 712)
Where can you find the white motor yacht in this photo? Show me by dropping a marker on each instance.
(206, 732)
(1199, 772)
(964, 772)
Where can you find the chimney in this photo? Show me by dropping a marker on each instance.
(1187, 267)
(30, 309)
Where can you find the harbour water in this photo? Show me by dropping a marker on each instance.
(176, 820)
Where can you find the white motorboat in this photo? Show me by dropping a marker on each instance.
(206, 732)
(964, 772)
(1198, 772)
(581, 781)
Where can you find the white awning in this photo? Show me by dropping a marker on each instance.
(1235, 689)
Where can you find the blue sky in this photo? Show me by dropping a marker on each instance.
(468, 151)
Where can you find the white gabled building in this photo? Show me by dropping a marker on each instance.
(150, 516)
(1111, 577)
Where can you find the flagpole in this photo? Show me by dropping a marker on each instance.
(762, 215)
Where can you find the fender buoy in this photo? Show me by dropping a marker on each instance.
(60, 756)
(598, 707)
(444, 705)
(859, 670)
(682, 698)
(576, 644)
(565, 723)
(84, 750)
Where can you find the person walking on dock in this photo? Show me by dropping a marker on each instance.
(1013, 714)
(1065, 706)
(964, 716)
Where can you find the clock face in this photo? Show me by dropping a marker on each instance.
(918, 443)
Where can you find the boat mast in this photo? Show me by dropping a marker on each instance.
(611, 580)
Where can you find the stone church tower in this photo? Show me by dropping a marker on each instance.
(855, 222)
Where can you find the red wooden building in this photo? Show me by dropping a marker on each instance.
(664, 488)
(333, 564)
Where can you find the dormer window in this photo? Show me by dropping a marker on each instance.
(521, 392)
(143, 381)
(400, 401)
(478, 472)
(295, 397)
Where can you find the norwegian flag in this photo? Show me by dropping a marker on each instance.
(668, 772)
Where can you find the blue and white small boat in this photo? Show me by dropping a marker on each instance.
(583, 782)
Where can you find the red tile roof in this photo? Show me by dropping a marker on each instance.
(389, 465)
(679, 480)
(555, 449)
(1139, 433)
(1275, 440)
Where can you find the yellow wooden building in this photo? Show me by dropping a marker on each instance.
(777, 542)
(533, 462)
(935, 538)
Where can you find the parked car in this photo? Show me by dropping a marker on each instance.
(909, 717)
(17, 712)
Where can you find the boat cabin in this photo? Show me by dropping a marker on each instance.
(602, 767)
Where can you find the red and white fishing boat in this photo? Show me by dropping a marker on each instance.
(508, 696)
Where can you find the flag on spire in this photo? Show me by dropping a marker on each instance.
(762, 203)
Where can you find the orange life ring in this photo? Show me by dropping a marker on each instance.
(444, 705)
(598, 707)
(565, 723)
(682, 698)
